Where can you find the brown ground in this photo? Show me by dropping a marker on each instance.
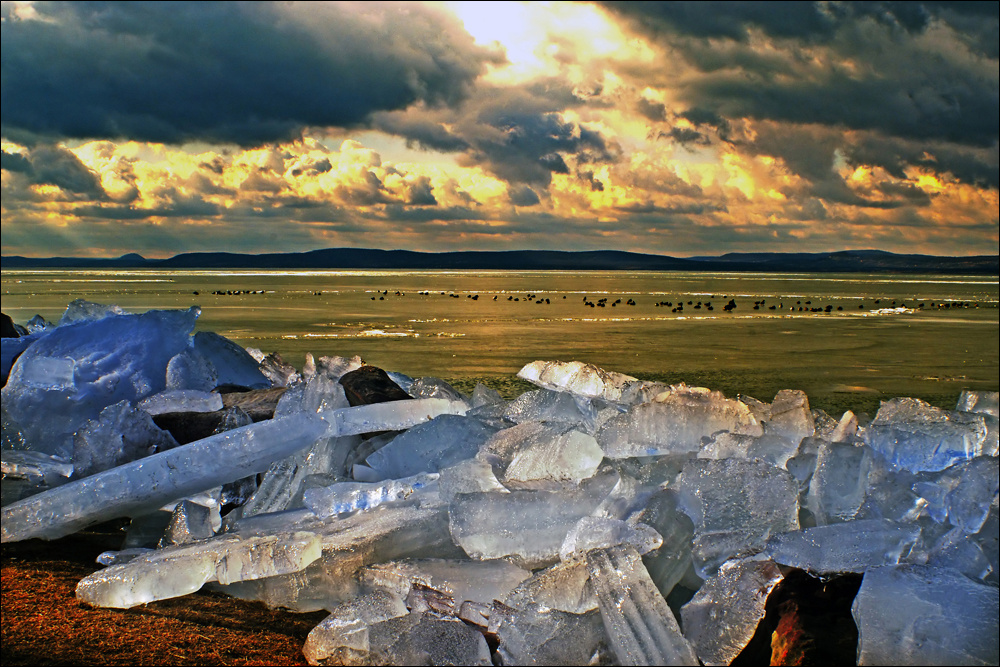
(42, 623)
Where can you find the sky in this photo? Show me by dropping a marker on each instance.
(681, 128)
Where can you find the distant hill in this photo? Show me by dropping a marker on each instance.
(848, 261)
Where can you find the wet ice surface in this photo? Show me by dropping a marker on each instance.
(551, 528)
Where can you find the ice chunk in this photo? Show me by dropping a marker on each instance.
(675, 423)
(723, 615)
(181, 400)
(844, 547)
(470, 476)
(726, 445)
(81, 310)
(641, 628)
(439, 443)
(532, 453)
(847, 428)
(968, 503)
(190, 522)
(343, 635)
(392, 416)
(26, 473)
(429, 387)
(593, 532)
(279, 373)
(890, 494)
(463, 580)
(483, 395)
(190, 370)
(986, 402)
(790, 416)
(923, 615)
(37, 323)
(839, 482)
(119, 435)
(668, 564)
(144, 485)
(350, 496)
(735, 506)
(230, 362)
(959, 551)
(175, 571)
(914, 435)
(564, 586)
(425, 639)
(585, 380)
(527, 526)
(10, 350)
(94, 364)
(540, 636)
(553, 406)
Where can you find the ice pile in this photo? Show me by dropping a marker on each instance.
(454, 529)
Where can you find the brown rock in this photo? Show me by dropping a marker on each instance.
(258, 403)
(370, 384)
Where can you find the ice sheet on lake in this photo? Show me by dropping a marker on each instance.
(923, 615)
(72, 373)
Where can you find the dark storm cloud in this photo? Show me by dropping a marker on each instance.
(245, 73)
(54, 165)
(420, 192)
(868, 66)
(654, 111)
(522, 195)
(183, 207)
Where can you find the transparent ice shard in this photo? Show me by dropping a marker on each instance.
(969, 502)
(532, 453)
(890, 494)
(675, 423)
(723, 616)
(735, 506)
(462, 580)
(431, 387)
(175, 571)
(341, 497)
(100, 362)
(593, 532)
(118, 435)
(392, 416)
(960, 551)
(26, 473)
(540, 636)
(839, 482)
(483, 395)
(190, 522)
(923, 615)
(143, 486)
(791, 418)
(181, 400)
(552, 406)
(564, 586)
(641, 627)
(668, 564)
(418, 638)
(429, 447)
(470, 476)
(343, 635)
(231, 363)
(914, 435)
(986, 402)
(854, 546)
(80, 310)
(527, 526)
(189, 370)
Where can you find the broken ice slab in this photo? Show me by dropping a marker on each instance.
(675, 423)
(790, 416)
(839, 482)
(81, 310)
(723, 616)
(735, 506)
(844, 547)
(890, 494)
(588, 381)
(344, 633)
(968, 502)
(423, 639)
(483, 395)
(175, 571)
(70, 374)
(189, 370)
(987, 402)
(429, 447)
(393, 532)
(923, 615)
(341, 497)
(119, 434)
(564, 586)
(430, 387)
(640, 626)
(471, 476)
(527, 526)
(533, 453)
(462, 580)
(181, 400)
(592, 532)
(959, 551)
(668, 564)
(232, 364)
(911, 434)
(552, 406)
(392, 416)
(145, 485)
(27, 473)
(540, 636)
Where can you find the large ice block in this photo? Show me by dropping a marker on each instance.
(463, 580)
(552, 406)
(343, 635)
(588, 381)
(533, 453)
(73, 372)
(232, 364)
(425, 639)
(923, 615)
(118, 435)
(735, 506)
(790, 416)
(564, 586)
(854, 546)
(592, 532)
(839, 482)
(175, 571)
(439, 443)
(668, 564)
(968, 504)
(145, 485)
(914, 435)
(540, 636)
(675, 423)
(723, 615)
(640, 626)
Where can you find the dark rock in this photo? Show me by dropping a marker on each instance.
(189, 426)
(258, 403)
(7, 328)
(370, 384)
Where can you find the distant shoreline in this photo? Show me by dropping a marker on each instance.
(848, 261)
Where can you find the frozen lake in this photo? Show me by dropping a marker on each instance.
(874, 336)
